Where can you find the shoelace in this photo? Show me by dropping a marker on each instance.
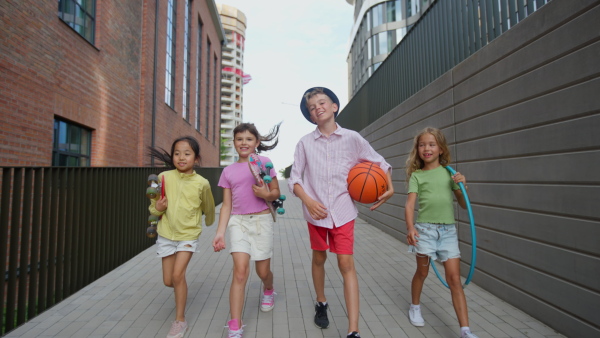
(237, 333)
(268, 299)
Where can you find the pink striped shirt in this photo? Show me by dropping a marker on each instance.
(321, 166)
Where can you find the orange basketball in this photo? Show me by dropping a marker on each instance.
(366, 182)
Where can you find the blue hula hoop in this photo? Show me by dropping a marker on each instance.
(473, 236)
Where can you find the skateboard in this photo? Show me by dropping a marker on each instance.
(262, 176)
(155, 186)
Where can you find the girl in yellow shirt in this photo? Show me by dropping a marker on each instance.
(187, 197)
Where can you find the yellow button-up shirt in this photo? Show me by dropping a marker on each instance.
(189, 196)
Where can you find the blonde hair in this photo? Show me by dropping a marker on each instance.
(414, 162)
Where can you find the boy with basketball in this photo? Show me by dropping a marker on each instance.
(322, 161)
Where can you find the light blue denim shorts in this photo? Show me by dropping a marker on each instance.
(438, 241)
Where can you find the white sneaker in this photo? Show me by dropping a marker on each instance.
(268, 301)
(177, 329)
(468, 334)
(414, 315)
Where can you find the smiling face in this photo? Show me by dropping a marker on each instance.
(184, 157)
(245, 144)
(321, 108)
(429, 151)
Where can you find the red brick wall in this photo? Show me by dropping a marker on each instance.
(47, 70)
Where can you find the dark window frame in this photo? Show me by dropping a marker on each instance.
(60, 154)
(71, 11)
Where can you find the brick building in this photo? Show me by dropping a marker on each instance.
(95, 82)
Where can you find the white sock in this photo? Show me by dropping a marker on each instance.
(417, 307)
(463, 330)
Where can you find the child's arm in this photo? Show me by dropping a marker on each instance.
(316, 210)
(208, 206)
(386, 195)
(219, 240)
(458, 177)
(262, 192)
(409, 217)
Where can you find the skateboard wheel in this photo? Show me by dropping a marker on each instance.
(269, 165)
(151, 192)
(151, 232)
(153, 219)
(267, 179)
(153, 178)
(282, 197)
(280, 211)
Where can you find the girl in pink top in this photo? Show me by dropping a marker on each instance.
(248, 220)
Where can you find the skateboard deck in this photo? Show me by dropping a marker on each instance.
(154, 187)
(255, 166)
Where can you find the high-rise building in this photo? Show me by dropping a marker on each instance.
(94, 83)
(233, 79)
(379, 25)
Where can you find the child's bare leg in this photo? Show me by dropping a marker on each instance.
(452, 267)
(174, 268)
(241, 270)
(318, 274)
(419, 278)
(263, 270)
(348, 271)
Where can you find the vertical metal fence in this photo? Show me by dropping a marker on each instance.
(446, 34)
(63, 228)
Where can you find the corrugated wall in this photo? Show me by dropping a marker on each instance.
(523, 118)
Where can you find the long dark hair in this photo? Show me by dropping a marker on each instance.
(273, 135)
(167, 158)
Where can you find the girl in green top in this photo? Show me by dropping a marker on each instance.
(187, 198)
(434, 235)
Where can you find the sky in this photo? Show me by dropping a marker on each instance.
(292, 46)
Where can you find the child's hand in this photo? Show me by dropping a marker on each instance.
(411, 236)
(316, 210)
(458, 177)
(162, 204)
(260, 190)
(219, 242)
(382, 199)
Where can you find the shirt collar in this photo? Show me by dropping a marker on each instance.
(339, 131)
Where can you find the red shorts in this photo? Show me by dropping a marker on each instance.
(341, 239)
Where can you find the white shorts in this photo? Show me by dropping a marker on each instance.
(166, 247)
(252, 234)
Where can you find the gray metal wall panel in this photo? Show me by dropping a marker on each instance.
(522, 117)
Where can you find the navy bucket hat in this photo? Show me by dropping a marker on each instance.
(327, 92)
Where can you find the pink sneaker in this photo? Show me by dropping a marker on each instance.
(268, 300)
(235, 331)
(177, 329)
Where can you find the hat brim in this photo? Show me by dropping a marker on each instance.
(327, 92)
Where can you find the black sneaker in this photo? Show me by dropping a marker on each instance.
(353, 334)
(321, 320)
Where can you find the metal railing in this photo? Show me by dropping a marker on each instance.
(446, 34)
(63, 228)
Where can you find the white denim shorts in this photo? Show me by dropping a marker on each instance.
(438, 241)
(166, 247)
(252, 234)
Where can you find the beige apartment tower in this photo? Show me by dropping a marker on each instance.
(233, 79)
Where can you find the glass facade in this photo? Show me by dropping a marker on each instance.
(71, 145)
(170, 63)
(79, 15)
(186, 60)
(380, 28)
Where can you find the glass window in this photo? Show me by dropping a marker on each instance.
(400, 34)
(186, 60)
(71, 145)
(382, 45)
(198, 74)
(170, 65)
(370, 48)
(207, 96)
(412, 8)
(394, 11)
(79, 15)
(377, 13)
(391, 41)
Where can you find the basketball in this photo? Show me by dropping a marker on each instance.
(366, 182)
